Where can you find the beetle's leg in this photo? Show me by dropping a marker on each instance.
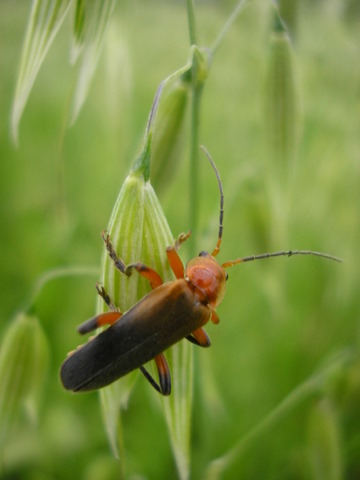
(181, 239)
(100, 320)
(164, 385)
(173, 258)
(149, 378)
(175, 262)
(147, 272)
(119, 264)
(199, 337)
(106, 297)
(214, 317)
(164, 374)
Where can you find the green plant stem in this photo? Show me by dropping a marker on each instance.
(54, 274)
(312, 386)
(194, 137)
(154, 108)
(228, 24)
(191, 22)
(194, 169)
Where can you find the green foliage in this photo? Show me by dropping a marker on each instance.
(324, 444)
(23, 365)
(281, 321)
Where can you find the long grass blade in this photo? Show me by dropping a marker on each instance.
(45, 19)
(96, 29)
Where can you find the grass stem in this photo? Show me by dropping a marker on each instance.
(191, 22)
(54, 274)
(313, 385)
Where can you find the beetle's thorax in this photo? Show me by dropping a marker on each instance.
(207, 277)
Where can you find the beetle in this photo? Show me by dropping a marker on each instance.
(172, 311)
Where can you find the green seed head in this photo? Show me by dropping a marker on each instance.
(23, 365)
(168, 134)
(139, 233)
(281, 101)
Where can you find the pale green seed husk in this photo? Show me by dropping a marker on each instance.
(23, 364)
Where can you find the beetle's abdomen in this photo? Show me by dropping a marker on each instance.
(163, 317)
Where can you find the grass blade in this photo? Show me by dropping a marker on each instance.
(97, 26)
(45, 19)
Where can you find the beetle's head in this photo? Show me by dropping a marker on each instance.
(208, 277)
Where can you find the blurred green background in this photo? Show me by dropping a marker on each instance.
(280, 320)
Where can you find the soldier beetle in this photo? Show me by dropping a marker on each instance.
(171, 312)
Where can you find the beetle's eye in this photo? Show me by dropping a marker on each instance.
(226, 276)
(203, 254)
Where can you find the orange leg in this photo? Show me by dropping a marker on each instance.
(164, 385)
(214, 317)
(100, 320)
(147, 272)
(199, 337)
(173, 258)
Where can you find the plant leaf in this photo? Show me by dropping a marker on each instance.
(178, 406)
(96, 27)
(79, 20)
(45, 19)
(113, 399)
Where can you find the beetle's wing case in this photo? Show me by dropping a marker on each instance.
(163, 317)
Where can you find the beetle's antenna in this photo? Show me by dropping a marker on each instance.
(221, 215)
(283, 253)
